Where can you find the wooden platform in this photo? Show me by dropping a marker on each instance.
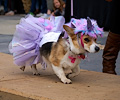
(18, 85)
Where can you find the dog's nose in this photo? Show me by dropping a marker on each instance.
(97, 48)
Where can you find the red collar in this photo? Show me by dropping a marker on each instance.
(74, 58)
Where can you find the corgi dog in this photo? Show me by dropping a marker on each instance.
(64, 56)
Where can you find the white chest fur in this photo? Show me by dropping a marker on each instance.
(67, 62)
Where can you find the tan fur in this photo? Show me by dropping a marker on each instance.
(57, 52)
(59, 58)
(73, 36)
(90, 42)
(74, 40)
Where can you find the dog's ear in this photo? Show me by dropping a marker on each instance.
(69, 30)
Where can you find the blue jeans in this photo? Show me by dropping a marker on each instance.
(34, 5)
(44, 6)
(6, 5)
(37, 4)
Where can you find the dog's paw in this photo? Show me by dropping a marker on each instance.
(66, 81)
(71, 75)
(36, 73)
(22, 68)
(34, 70)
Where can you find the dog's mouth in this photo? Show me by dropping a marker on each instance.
(92, 52)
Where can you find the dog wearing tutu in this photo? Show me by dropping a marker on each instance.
(54, 44)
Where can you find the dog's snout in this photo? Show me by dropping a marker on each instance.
(97, 48)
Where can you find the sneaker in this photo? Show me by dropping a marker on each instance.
(46, 16)
(31, 13)
(40, 14)
(36, 12)
(11, 13)
(1, 8)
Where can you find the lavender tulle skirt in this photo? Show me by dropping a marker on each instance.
(26, 40)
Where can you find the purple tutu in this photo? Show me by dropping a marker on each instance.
(26, 40)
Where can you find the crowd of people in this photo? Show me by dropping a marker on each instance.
(43, 8)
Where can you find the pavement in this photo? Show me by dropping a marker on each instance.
(88, 85)
(91, 84)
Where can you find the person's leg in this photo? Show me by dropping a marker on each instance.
(19, 7)
(67, 11)
(33, 4)
(44, 6)
(12, 5)
(37, 7)
(1, 8)
(37, 4)
(12, 8)
(110, 53)
(6, 6)
(26, 5)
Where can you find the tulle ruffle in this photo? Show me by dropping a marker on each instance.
(26, 40)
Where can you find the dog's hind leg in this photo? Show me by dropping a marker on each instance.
(47, 63)
(75, 72)
(22, 68)
(60, 73)
(34, 70)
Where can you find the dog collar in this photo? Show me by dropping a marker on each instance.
(74, 58)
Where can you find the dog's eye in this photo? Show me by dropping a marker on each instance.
(87, 40)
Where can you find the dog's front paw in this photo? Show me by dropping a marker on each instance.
(36, 73)
(71, 75)
(34, 70)
(66, 81)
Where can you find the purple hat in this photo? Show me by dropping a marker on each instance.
(86, 26)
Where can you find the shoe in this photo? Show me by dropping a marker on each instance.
(1, 8)
(36, 12)
(11, 13)
(31, 13)
(46, 16)
(40, 14)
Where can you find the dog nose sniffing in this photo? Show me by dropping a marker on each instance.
(97, 48)
(93, 48)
